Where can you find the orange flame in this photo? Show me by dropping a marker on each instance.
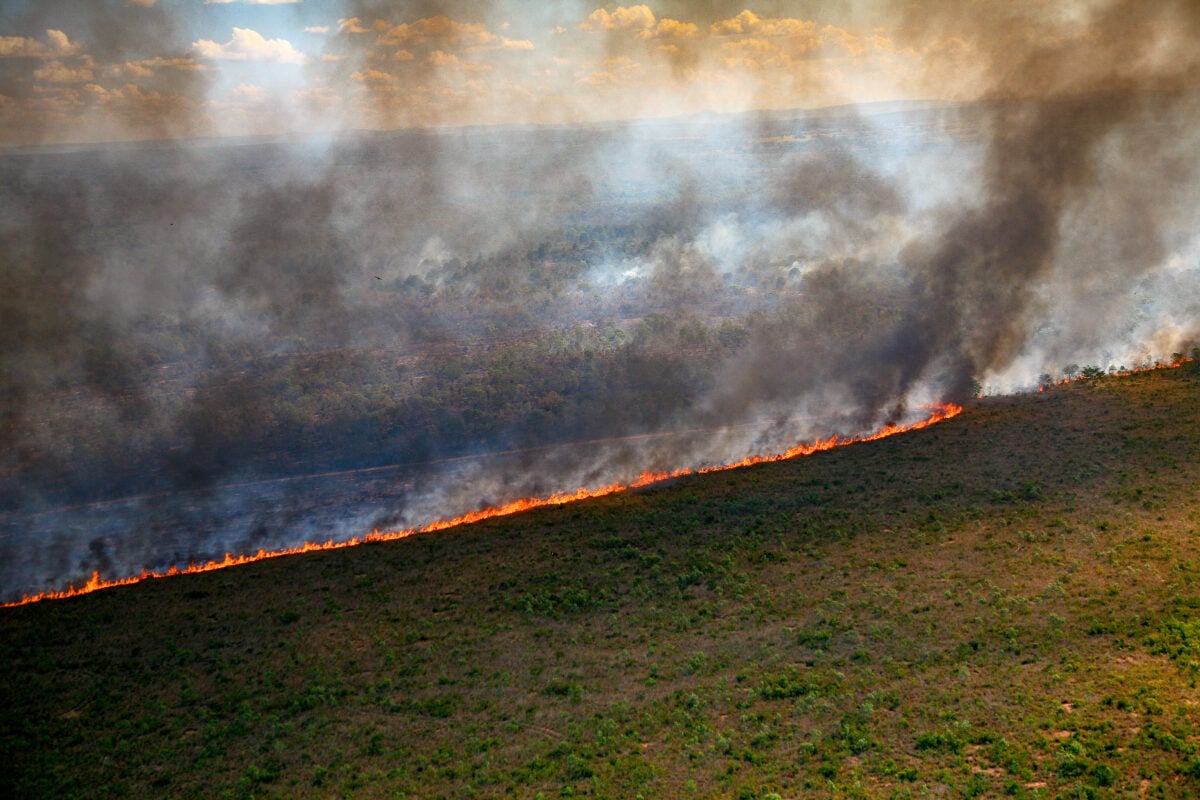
(1121, 373)
(95, 583)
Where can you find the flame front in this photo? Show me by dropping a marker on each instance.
(937, 414)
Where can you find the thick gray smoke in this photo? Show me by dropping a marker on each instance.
(1104, 158)
(1085, 188)
(226, 346)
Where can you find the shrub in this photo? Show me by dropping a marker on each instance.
(1103, 775)
(940, 741)
(790, 683)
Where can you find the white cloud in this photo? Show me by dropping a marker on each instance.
(631, 18)
(747, 22)
(438, 58)
(515, 44)
(439, 31)
(133, 69)
(142, 3)
(27, 47)
(373, 76)
(58, 72)
(249, 45)
(146, 67)
(21, 46)
(317, 29)
(670, 29)
(352, 25)
(248, 91)
(61, 44)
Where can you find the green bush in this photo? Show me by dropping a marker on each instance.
(790, 683)
(940, 741)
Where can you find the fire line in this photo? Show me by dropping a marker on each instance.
(937, 414)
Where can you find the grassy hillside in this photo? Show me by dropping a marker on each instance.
(1007, 603)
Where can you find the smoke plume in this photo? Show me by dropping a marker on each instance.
(226, 345)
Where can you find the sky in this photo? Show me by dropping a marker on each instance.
(95, 70)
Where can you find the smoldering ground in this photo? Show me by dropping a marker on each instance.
(213, 348)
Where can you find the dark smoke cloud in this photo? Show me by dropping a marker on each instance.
(1047, 155)
(973, 292)
(253, 344)
(286, 260)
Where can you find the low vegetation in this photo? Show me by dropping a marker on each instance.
(1005, 604)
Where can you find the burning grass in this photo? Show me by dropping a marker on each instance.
(1002, 604)
(96, 583)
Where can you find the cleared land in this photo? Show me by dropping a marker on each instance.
(1007, 603)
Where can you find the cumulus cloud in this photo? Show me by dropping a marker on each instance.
(352, 25)
(70, 65)
(667, 28)
(697, 61)
(248, 91)
(21, 47)
(62, 45)
(59, 46)
(615, 70)
(249, 45)
(439, 58)
(434, 69)
(374, 77)
(133, 69)
(623, 18)
(146, 67)
(516, 44)
(758, 43)
(747, 22)
(440, 31)
(58, 72)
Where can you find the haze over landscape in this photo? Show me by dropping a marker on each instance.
(282, 272)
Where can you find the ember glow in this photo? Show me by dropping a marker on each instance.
(95, 583)
(1120, 372)
(277, 273)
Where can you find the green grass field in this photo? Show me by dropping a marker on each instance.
(1005, 604)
